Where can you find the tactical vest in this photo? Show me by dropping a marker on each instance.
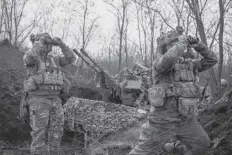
(182, 85)
(53, 78)
(184, 80)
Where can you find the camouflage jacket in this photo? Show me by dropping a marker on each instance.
(176, 91)
(32, 63)
(163, 65)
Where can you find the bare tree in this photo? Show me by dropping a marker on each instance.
(12, 13)
(155, 9)
(121, 13)
(126, 41)
(152, 17)
(88, 21)
(182, 13)
(139, 27)
(198, 8)
(197, 12)
(223, 7)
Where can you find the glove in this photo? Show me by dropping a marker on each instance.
(57, 41)
(193, 40)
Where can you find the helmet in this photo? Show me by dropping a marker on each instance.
(45, 38)
(167, 40)
(42, 42)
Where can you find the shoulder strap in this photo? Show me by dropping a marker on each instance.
(53, 62)
(162, 75)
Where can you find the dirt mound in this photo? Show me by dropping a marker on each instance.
(217, 120)
(12, 74)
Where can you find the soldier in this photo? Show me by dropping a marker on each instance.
(172, 126)
(44, 83)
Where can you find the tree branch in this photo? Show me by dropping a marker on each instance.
(157, 11)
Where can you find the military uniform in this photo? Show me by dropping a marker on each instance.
(44, 84)
(172, 126)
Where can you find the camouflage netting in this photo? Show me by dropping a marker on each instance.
(99, 117)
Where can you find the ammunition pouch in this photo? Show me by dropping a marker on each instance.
(183, 72)
(183, 89)
(54, 81)
(53, 78)
(187, 94)
(29, 84)
(187, 106)
(50, 87)
(156, 94)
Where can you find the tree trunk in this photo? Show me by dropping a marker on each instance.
(109, 59)
(120, 53)
(201, 32)
(152, 39)
(139, 30)
(121, 32)
(221, 8)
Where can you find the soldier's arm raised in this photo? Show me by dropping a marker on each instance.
(166, 61)
(209, 57)
(68, 57)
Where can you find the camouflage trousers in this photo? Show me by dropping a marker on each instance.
(46, 120)
(154, 136)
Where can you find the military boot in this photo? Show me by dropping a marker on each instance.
(177, 148)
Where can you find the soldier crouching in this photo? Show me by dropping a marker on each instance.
(44, 83)
(172, 127)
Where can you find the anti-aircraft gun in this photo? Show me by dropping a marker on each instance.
(107, 82)
(122, 89)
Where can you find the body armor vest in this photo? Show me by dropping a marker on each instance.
(53, 78)
(184, 80)
(185, 87)
(182, 85)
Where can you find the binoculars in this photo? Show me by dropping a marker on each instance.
(49, 40)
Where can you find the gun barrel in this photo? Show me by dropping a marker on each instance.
(86, 55)
(80, 56)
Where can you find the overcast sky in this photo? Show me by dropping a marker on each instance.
(106, 21)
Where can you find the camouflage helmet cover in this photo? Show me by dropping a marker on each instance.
(44, 37)
(42, 42)
(166, 40)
